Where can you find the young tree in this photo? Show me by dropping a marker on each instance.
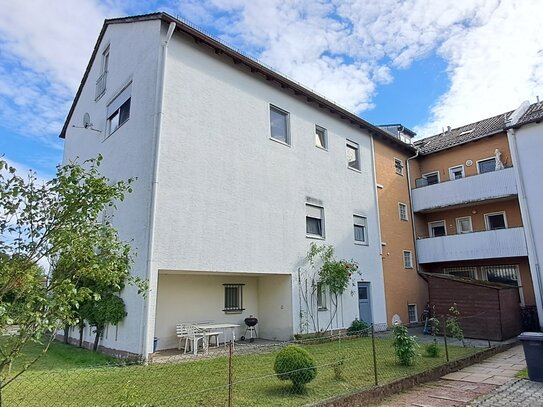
(56, 223)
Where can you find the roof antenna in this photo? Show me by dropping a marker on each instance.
(448, 129)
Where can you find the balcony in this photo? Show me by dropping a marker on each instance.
(482, 187)
(488, 244)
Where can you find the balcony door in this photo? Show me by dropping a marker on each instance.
(437, 228)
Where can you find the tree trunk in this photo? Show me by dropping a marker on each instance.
(99, 331)
(66, 333)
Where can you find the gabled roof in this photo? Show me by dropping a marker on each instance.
(256, 68)
(462, 135)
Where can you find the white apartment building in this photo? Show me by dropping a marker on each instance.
(239, 170)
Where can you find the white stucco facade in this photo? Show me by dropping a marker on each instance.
(527, 145)
(229, 202)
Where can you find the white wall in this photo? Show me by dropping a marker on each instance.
(232, 200)
(529, 141)
(127, 152)
(275, 307)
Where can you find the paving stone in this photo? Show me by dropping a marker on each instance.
(515, 393)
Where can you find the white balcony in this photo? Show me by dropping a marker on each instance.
(472, 246)
(482, 187)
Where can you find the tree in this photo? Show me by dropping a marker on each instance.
(58, 224)
(109, 309)
(323, 272)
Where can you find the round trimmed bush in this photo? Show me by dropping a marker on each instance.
(295, 364)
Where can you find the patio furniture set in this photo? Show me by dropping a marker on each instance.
(201, 333)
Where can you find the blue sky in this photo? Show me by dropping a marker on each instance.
(423, 63)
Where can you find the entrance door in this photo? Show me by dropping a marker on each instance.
(364, 302)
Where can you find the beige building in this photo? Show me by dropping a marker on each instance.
(466, 203)
(405, 291)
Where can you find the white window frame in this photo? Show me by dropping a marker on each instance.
(321, 294)
(431, 231)
(485, 159)
(458, 229)
(405, 264)
(432, 173)
(364, 225)
(484, 276)
(416, 314)
(400, 204)
(356, 148)
(312, 235)
(398, 160)
(456, 167)
(288, 141)
(487, 226)
(325, 137)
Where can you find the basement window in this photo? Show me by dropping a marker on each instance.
(233, 298)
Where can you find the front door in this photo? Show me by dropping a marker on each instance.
(364, 302)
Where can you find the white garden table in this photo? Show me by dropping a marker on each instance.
(211, 327)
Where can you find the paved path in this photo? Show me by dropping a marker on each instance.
(521, 393)
(458, 389)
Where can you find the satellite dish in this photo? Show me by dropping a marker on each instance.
(86, 121)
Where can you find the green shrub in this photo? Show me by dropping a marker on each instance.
(295, 364)
(339, 368)
(358, 327)
(433, 350)
(404, 345)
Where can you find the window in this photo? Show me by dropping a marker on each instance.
(437, 228)
(321, 137)
(463, 225)
(431, 178)
(321, 297)
(407, 259)
(279, 124)
(494, 221)
(487, 165)
(412, 313)
(403, 211)
(233, 297)
(101, 81)
(353, 155)
(360, 227)
(398, 164)
(456, 172)
(505, 274)
(466, 272)
(118, 111)
(314, 221)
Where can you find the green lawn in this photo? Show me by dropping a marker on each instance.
(61, 378)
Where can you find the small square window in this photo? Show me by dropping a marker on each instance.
(488, 165)
(407, 259)
(437, 228)
(398, 164)
(456, 172)
(321, 137)
(360, 229)
(314, 221)
(321, 297)
(279, 125)
(353, 155)
(233, 297)
(463, 225)
(431, 178)
(412, 313)
(403, 211)
(494, 221)
(119, 117)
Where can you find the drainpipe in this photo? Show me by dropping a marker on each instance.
(529, 234)
(152, 274)
(376, 201)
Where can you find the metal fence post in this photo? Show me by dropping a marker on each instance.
(230, 373)
(445, 339)
(374, 356)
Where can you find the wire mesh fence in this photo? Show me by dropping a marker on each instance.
(267, 373)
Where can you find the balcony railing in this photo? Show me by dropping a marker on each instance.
(101, 85)
(482, 187)
(488, 244)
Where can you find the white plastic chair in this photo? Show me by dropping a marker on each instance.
(181, 333)
(194, 335)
